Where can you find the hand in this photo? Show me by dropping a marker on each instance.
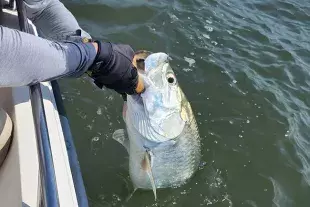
(113, 68)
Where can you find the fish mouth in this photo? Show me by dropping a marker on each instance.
(159, 101)
(139, 58)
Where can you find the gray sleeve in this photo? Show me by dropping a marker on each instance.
(28, 59)
(52, 19)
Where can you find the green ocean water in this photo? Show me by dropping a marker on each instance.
(244, 66)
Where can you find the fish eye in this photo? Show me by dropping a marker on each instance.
(171, 79)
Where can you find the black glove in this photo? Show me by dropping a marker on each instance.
(113, 68)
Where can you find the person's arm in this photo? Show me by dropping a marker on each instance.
(27, 59)
(52, 19)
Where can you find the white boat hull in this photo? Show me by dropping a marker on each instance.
(19, 174)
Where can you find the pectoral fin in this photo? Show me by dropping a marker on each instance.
(146, 166)
(120, 135)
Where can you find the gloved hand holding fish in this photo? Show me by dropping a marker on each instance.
(161, 133)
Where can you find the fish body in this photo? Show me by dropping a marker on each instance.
(161, 134)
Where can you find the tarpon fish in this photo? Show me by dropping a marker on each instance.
(161, 133)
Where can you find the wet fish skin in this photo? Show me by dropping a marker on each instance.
(173, 162)
(173, 151)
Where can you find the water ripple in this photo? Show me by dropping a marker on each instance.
(250, 83)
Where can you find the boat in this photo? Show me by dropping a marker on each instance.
(40, 166)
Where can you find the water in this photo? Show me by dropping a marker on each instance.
(244, 66)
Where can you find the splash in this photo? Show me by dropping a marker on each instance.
(280, 198)
(206, 36)
(190, 61)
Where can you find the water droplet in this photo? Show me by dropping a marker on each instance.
(213, 42)
(208, 28)
(95, 139)
(265, 190)
(110, 98)
(234, 81)
(183, 192)
(215, 141)
(231, 122)
(190, 61)
(199, 114)
(187, 69)
(240, 136)
(99, 111)
(173, 18)
(209, 22)
(229, 32)
(192, 53)
(247, 121)
(206, 36)
(202, 164)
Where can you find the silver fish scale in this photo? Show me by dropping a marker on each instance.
(172, 164)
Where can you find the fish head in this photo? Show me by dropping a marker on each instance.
(162, 98)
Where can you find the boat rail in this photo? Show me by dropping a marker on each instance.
(48, 187)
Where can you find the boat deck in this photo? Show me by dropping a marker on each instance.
(20, 173)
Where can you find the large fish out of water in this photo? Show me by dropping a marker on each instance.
(161, 133)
